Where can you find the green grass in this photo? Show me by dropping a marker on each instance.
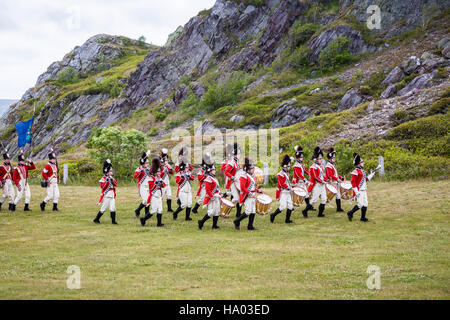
(408, 238)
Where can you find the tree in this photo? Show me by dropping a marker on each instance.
(122, 147)
(142, 40)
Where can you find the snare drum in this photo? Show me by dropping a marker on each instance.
(263, 202)
(331, 191)
(298, 196)
(225, 207)
(259, 176)
(346, 190)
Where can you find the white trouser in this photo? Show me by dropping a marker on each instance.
(362, 199)
(202, 196)
(52, 191)
(8, 192)
(250, 205)
(167, 191)
(286, 200)
(319, 191)
(25, 188)
(109, 202)
(156, 204)
(235, 193)
(144, 193)
(303, 185)
(338, 194)
(214, 207)
(185, 196)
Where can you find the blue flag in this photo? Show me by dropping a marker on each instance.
(24, 131)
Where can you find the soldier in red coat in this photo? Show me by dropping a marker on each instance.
(300, 172)
(184, 192)
(142, 174)
(108, 194)
(248, 195)
(359, 185)
(212, 197)
(50, 173)
(20, 178)
(183, 156)
(6, 172)
(317, 187)
(201, 176)
(284, 191)
(166, 171)
(232, 173)
(155, 185)
(333, 177)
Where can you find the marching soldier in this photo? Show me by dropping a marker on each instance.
(333, 177)
(108, 196)
(212, 197)
(20, 178)
(300, 172)
(155, 197)
(359, 184)
(142, 174)
(50, 173)
(167, 170)
(317, 186)
(6, 171)
(183, 156)
(247, 195)
(284, 191)
(201, 175)
(232, 168)
(183, 179)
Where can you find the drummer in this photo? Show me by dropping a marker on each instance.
(333, 177)
(212, 197)
(247, 195)
(317, 187)
(284, 189)
(300, 171)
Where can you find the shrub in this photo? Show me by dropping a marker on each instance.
(301, 33)
(68, 76)
(335, 54)
(440, 106)
(160, 116)
(153, 132)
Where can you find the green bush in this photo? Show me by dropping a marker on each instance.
(160, 116)
(68, 76)
(153, 132)
(440, 106)
(335, 54)
(301, 33)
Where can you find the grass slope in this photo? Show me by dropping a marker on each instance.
(408, 238)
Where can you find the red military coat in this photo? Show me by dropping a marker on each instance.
(167, 170)
(140, 174)
(107, 186)
(358, 178)
(317, 175)
(182, 178)
(153, 186)
(282, 182)
(299, 172)
(211, 188)
(177, 167)
(331, 172)
(201, 179)
(21, 172)
(248, 186)
(6, 171)
(230, 171)
(50, 171)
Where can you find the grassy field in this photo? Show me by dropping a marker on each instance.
(407, 237)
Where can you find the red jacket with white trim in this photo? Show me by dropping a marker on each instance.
(107, 184)
(282, 182)
(331, 172)
(358, 178)
(182, 178)
(22, 170)
(211, 188)
(6, 171)
(201, 179)
(248, 186)
(177, 167)
(317, 175)
(299, 173)
(153, 186)
(49, 170)
(230, 171)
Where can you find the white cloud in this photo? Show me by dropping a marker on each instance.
(33, 34)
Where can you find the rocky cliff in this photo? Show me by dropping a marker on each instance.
(240, 64)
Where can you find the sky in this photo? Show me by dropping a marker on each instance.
(35, 33)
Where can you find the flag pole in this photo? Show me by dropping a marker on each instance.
(32, 127)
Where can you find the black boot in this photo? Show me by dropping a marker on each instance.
(27, 207)
(305, 211)
(238, 210)
(137, 212)
(113, 217)
(10, 206)
(99, 215)
(274, 214)
(321, 210)
(169, 205)
(194, 210)
(363, 214)
(237, 222)
(147, 216)
(159, 217)
(351, 212)
(288, 216)
(1, 206)
(175, 214)
(202, 222)
(55, 207)
(13, 207)
(251, 218)
(42, 206)
(188, 214)
(215, 220)
(179, 202)
(338, 204)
